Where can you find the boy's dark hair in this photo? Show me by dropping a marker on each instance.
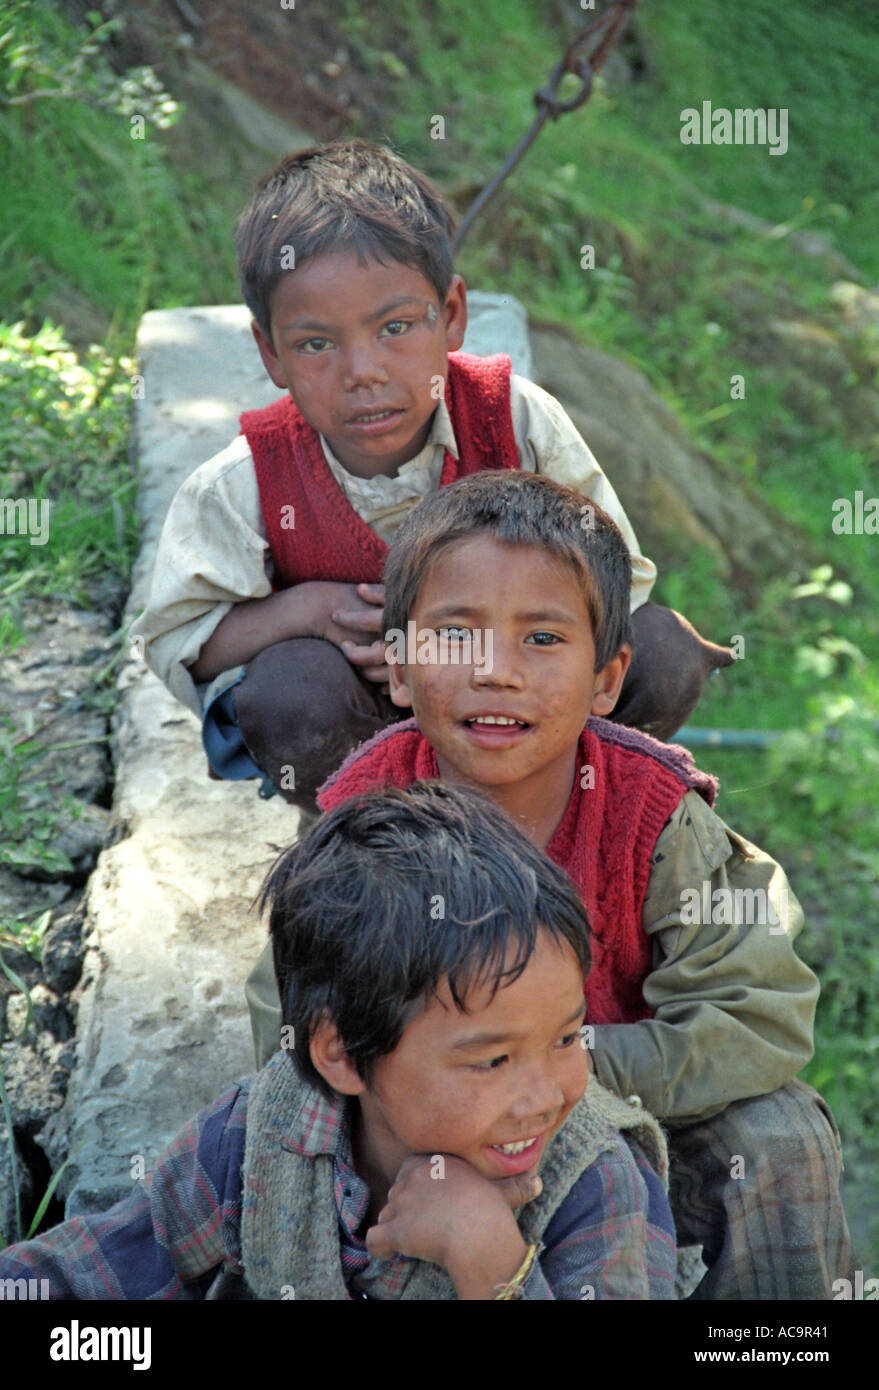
(521, 509)
(348, 195)
(394, 890)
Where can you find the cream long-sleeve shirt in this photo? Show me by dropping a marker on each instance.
(213, 551)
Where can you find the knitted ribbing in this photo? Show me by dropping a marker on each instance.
(604, 840)
(289, 1225)
(312, 530)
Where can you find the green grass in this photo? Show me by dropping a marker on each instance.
(64, 424)
(88, 207)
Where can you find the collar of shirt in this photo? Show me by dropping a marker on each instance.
(440, 438)
(323, 1126)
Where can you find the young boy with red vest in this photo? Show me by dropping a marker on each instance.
(697, 999)
(265, 613)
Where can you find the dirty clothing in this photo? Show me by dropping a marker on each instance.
(757, 1186)
(213, 550)
(210, 1208)
(732, 1010)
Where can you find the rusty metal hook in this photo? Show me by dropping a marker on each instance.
(574, 61)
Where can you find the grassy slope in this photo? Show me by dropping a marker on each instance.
(104, 213)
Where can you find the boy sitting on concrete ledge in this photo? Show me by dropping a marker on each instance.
(707, 1015)
(265, 614)
(431, 963)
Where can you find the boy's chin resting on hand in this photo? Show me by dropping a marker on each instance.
(442, 1210)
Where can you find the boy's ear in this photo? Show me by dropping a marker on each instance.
(609, 680)
(269, 357)
(329, 1057)
(400, 693)
(455, 310)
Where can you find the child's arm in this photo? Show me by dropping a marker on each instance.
(166, 1239)
(213, 570)
(344, 614)
(611, 1238)
(734, 1005)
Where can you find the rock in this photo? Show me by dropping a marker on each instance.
(35, 1081)
(84, 835)
(22, 899)
(829, 370)
(44, 689)
(62, 952)
(48, 1014)
(675, 495)
(169, 936)
(82, 831)
(498, 323)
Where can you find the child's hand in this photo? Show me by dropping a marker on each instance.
(357, 613)
(459, 1220)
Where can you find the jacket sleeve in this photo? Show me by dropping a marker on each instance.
(549, 443)
(733, 1004)
(212, 554)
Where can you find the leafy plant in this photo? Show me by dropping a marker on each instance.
(38, 65)
(31, 811)
(63, 434)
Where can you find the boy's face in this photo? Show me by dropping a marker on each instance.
(476, 1084)
(362, 350)
(542, 674)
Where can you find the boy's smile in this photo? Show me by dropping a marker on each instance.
(360, 347)
(491, 1085)
(514, 729)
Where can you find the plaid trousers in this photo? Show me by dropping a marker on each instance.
(757, 1186)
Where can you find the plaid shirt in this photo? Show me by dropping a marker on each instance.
(182, 1223)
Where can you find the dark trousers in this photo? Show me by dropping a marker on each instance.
(757, 1186)
(301, 709)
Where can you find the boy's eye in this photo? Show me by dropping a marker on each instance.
(312, 345)
(491, 1065)
(396, 327)
(543, 639)
(569, 1039)
(453, 634)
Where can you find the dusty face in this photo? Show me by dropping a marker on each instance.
(491, 1085)
(542, 684)
(362, 349)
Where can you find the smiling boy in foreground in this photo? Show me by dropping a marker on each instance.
(431, 963)
(708, 1021)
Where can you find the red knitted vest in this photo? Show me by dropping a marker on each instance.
(312, 530)
(604, 840)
